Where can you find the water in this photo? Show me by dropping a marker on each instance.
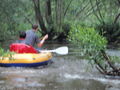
(68, 72)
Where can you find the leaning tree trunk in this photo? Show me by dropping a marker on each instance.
(48, 12)
(53, 27)
(39, 17)
(113, 70)
(48, 17)
(59, 19)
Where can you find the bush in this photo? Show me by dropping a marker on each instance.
(88, 40)
(110, 31)
(4, 54)
(93, 46)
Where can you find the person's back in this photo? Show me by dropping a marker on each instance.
(20, 41)
(31, 38)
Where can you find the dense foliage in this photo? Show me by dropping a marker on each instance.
(7, 18)
(54, 16)
(93, 46)
(89, 41)
(110, 31)
(4, 54)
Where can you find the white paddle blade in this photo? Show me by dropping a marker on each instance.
(62, 50)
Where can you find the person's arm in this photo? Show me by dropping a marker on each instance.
(43, 40)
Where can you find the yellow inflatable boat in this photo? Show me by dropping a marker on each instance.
(26, 60)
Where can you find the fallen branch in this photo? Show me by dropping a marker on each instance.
(108, 60)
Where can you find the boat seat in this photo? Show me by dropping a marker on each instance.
(22, 48)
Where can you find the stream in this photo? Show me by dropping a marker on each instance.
(67, 72)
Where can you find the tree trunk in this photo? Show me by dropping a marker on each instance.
(116, 18)
(48, 17)
(39, 17)
(48, 12)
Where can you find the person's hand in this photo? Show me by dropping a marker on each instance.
(46, 36)
(43, 40)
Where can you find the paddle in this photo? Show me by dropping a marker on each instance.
(61, 50)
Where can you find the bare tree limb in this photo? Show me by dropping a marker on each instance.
(67, 8)
(94, 11)
(116, 18)
(108, 60)
(39, 16)
(97, 2)
(82, 10)
(90, 11)
(118, 1)
(99, 69)
(28, 20)
(48, 11)
(103, 70)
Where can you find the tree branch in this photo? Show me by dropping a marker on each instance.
(116, 18)
(67, 8)
(108, 60)
(94, 11)
(39, 16)
(103, 70)
(118, 1)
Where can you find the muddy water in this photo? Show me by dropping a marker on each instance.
(68, 72)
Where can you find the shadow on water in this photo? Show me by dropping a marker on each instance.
(68, 72)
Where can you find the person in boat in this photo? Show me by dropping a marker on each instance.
(29, 38)
(32, 39)
(20, 46)
(22, 36)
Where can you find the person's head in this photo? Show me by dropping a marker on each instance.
(22, 34)
(35, 27)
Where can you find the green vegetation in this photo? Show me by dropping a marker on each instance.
(89, 41)
(92, 46)
(54, 16)
(111, 31)
(4, 54)
(87, 37)
(95, 23)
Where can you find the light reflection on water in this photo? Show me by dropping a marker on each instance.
(66, 73)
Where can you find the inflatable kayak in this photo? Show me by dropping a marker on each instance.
(26, 60)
